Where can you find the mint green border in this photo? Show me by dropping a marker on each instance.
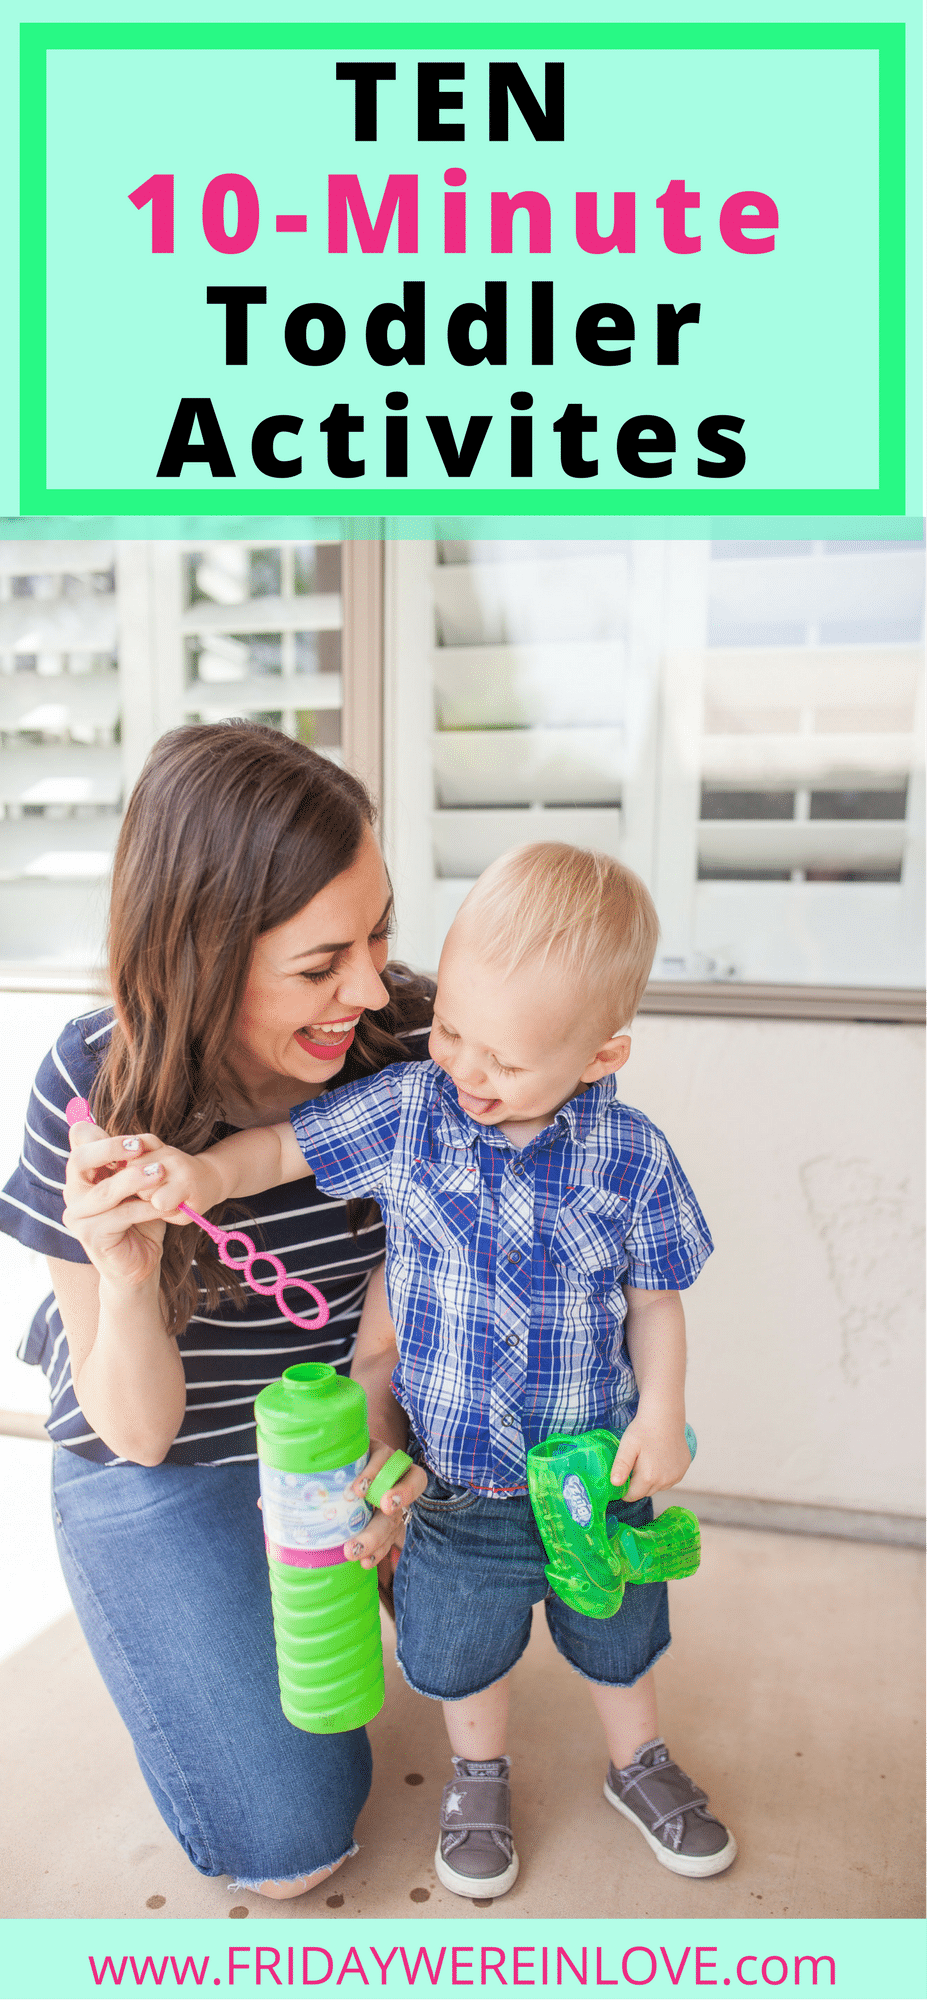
(875, 1959)
(887, 40)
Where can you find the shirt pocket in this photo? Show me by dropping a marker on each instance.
(440, 1205)
(588, 1237)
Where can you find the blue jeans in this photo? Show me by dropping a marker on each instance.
(469, 1574)
(166, 1568)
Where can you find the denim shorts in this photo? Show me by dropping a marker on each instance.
(469, 1574)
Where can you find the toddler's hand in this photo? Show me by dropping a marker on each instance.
(652, 1455)
(171, 1177)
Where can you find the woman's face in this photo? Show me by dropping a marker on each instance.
(311, 979)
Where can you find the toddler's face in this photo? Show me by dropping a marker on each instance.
(516, 1045)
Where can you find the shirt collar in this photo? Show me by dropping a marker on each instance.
(455, 1129)
(581, 1113)
(460, 1132)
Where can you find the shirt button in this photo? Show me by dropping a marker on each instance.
(513, 1257)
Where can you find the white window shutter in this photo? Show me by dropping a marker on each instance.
(790, 839)
(521, 692)
(105, 646)
(737, 721)
(61, 767)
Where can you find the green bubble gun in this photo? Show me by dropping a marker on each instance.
(591, 1558)
(312, 1444)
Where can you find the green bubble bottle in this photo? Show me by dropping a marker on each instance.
(312, 1443)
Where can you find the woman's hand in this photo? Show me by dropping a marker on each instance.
(162, 1175)
(387, 1528)
(105, 1210)
(127, 1372)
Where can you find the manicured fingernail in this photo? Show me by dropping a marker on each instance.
(357, 1548)
(131, 1145)
(152, 1170)
(363, 1485)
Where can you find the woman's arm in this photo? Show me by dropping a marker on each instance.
(126, 1368)
(653, 1450)
(375, 1357)
(374, 1360)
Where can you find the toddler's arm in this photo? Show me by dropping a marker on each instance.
(242, 1165)
(653, 1451)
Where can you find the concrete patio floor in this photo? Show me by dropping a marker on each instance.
(793, 1693)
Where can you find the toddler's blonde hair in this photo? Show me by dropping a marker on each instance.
(574, 905)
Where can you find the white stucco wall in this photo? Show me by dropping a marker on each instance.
(804, 1142)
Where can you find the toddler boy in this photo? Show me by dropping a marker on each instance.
(539, 1233)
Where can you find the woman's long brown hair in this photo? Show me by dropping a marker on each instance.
(231, 830)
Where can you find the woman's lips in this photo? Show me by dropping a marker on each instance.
(327, 1047)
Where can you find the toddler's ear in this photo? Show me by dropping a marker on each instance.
(610, 1057)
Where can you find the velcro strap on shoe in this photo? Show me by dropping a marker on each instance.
(471, 1805)
(664, 1791)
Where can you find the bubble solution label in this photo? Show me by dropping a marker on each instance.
(304, 1511)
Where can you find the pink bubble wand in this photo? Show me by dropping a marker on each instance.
(79, 1113)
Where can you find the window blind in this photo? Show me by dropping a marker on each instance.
(740, 722)
(103, 647)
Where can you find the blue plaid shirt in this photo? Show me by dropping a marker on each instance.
(505, 1264)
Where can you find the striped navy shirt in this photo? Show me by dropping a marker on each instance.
(229, 1355)
(506, 1265)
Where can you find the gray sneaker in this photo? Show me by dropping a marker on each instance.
(475, 1855)
(670, 1812)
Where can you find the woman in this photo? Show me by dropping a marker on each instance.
(248, 953)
